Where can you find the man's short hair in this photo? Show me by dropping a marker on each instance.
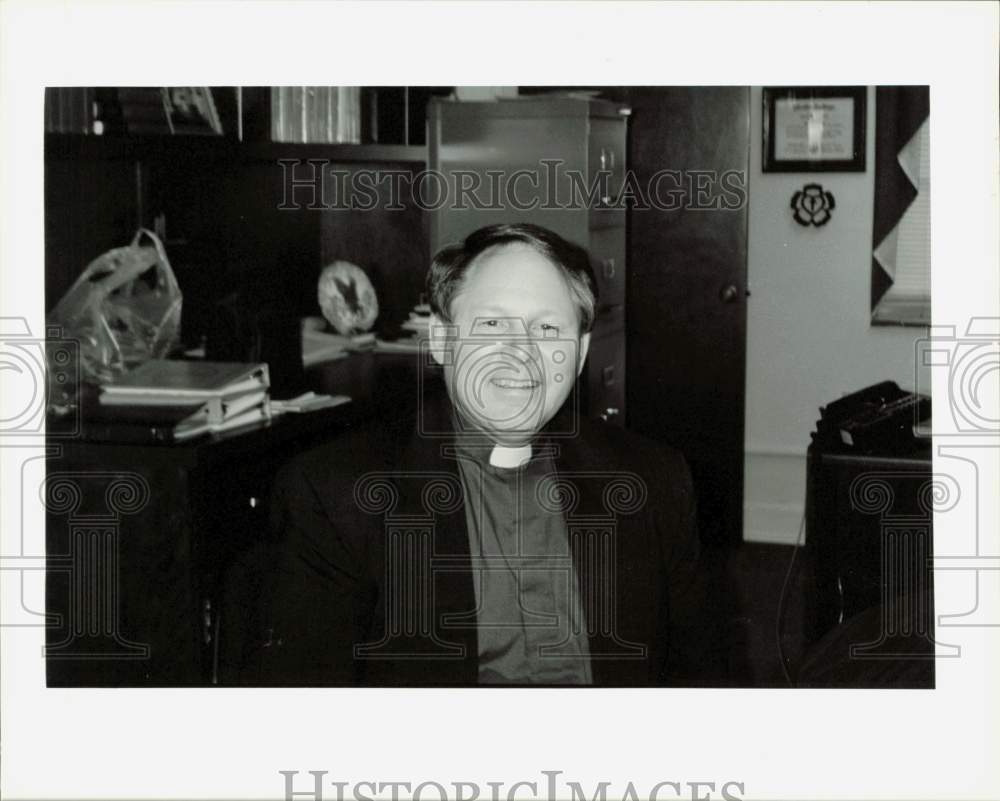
(444, 279)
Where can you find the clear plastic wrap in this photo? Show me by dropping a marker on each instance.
(124, 309)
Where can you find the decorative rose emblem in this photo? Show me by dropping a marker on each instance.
(812, 205)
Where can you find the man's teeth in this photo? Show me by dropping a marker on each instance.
(515, 383)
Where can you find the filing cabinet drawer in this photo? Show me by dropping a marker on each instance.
(606, 169)
(605, 376)
(610, 320)
(607, 259)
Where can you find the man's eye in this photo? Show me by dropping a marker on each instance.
(490, 323)
(549, 329)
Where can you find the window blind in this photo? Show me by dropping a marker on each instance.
(906, 252)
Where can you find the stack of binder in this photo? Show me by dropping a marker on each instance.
(173, 401)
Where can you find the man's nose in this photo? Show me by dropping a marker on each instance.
(521, 347)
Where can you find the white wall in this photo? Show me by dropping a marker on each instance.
(809, 337)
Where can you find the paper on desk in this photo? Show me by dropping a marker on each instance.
(308, 402)
(405, 345)
(318, 346)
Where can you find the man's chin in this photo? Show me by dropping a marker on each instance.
(519, 433)
(511, 431)
(511, 439)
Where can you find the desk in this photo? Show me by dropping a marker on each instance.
(140, 537)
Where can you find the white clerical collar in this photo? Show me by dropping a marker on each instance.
(503, 456)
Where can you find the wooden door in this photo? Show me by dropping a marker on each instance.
(686, 297)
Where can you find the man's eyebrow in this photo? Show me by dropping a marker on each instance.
(479, 311)
(551, 313)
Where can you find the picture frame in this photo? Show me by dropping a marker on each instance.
(191, 110)
(814, 128)
(166, 110)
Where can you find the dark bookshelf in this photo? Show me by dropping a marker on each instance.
(99, 148)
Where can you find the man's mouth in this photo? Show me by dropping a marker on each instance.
(514, 383)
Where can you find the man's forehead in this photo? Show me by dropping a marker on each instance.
(511, 254)
(521, 304)
(517, 267)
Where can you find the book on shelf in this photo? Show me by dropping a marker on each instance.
(71, 109)
(143, 110)
(162, 381)
(317, 114)
(191, 110)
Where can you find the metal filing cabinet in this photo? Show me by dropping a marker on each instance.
(554, 161)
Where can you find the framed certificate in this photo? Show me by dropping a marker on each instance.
(814, 129)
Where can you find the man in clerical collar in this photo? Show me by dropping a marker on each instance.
(507, 540)
(513, 308)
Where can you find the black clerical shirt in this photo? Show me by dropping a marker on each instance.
(530, 623)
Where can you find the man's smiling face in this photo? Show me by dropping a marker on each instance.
(514, 349)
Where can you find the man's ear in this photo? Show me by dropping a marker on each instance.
(441, 334)
(582, 357)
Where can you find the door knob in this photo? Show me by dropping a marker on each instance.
(729, 293)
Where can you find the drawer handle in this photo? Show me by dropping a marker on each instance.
(611, 411)
(609, 268)
(207, 621)
(608, 375)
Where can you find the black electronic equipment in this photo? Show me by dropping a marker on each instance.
(880, 418)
